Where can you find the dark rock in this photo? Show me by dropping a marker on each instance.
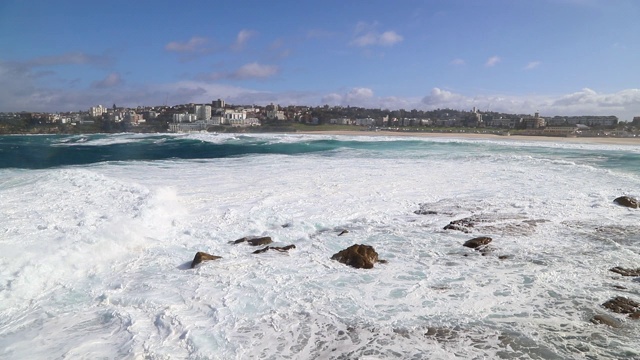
(512, 224)
(202, 256)
(442, 334)
(253, 241)
(504, 257)
(606, 320)
(622, 305)
(475, 243)
(425, 212)
(463, 225)
(277, 248)
(358, 256)
(343, 232)
(635, 315)
(627, 202)
(625, 272)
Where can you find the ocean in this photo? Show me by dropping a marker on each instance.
(97, 235)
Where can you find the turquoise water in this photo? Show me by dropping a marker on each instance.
(42, 152)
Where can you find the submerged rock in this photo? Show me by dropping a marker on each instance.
(625, 272)
(511, 224)
(358, 256)
(475, 243)
(627, 202)
(202, 256)
(277, 248)
(622, 305)
(606, 320)
(254, 241)
(463, 225)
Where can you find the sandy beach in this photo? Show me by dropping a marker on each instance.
(556, 139)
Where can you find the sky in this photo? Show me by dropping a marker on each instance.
(556, 57)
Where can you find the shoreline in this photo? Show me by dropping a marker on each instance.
(535, 138)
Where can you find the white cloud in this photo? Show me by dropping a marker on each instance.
(248, 71)
(357, 95)
(242, 38)
(492, 61)
(625, 104)
(389, 38)
(532, 65)
(255, 70)
(458, 61)
(367, 35)
(111, 80)
(441, 98)
(22, 91)
(331, 99)
(195, 44)
(71, 58)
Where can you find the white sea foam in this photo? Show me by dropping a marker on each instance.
(95, 260)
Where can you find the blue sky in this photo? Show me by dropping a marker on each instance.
(558, 57)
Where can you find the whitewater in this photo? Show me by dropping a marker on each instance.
(97, 235)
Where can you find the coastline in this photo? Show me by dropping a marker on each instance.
(578, 140)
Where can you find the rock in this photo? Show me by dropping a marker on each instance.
(358, 256)
(475, 243)
(277, 248)
(635, 315)
(509, 224)
(253, 241)
(622, 305)
(606, 320)
(463, 225)
(505, 257)
(343, 232)
(628, 202)
(425, 212)
(625, 272)
(202, 256)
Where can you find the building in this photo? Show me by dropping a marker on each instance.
(218, 104)
(233, 115)
(97, 111)
(274, 113)
(184, 117)
(533, 122)
(202, 112)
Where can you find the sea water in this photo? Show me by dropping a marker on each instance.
(97, 233)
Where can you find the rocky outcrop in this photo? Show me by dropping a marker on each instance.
(478, 242)
(463, 225)
(358, 256)
(627, 201)
(253, 241)
(625, 272)
(277, 248)
(509, 224)
(202, 256)
(622, 305)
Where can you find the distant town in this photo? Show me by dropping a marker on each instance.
(219, 116)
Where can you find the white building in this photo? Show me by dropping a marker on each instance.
(244, 122)
(230, 115)
(203, 112)
(96, 111)
(273, 113)
(184, 117)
